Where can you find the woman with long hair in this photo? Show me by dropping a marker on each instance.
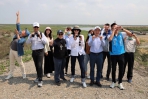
(87, 50)
(48, 57)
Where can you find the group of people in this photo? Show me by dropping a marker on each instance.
(113, 42)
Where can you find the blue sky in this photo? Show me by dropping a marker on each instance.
(126, 12)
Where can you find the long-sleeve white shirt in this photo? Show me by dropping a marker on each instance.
(75, 48)
(36, 42)
(67, 38)
(96, 45)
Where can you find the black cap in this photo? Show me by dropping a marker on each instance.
(59, 31)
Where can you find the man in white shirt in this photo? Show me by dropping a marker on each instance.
(130, 43)
(38, 41)
(96, 44)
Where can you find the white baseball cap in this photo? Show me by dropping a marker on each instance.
(36, 24)
(97, 27)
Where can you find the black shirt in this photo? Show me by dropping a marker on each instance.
(60, 50)
(14, 44)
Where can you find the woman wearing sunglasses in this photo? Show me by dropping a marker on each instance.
(77, 51)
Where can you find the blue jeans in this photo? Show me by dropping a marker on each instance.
(81, 63)
(86, 59)
(59, 68)
(96, 58)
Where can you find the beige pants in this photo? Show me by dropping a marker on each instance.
(14, 57)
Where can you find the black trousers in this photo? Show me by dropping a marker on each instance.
(67, 61)
(106, 54)
(129, 59)
(48, 63)
(38, 61)
(120, 60)
(81, 64)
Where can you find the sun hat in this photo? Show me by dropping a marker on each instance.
(76, 28)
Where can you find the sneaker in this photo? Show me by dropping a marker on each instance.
(24, 76)
(8, 77)
(129, 80)
(98, 84)
(84, 84)
(72, 79)
(88, 76)
(40, 83)
(121, 86)
(112, 85)
(48, 75)
(36, 80)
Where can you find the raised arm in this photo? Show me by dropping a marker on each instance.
(137, 40)
(18, 21)
(18, 17)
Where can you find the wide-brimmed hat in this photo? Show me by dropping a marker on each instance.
(48, 28)
(76, 28)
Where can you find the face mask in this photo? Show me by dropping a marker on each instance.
(130, 38)
(89, 34)
(69, 32)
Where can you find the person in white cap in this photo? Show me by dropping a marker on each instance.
(48, 50)
(16, 48)
(96, 44)
(38, 41)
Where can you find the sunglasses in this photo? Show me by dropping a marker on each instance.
(60, 34)
(76, 30)
(35, 27)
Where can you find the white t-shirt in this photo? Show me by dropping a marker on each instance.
(130, 45)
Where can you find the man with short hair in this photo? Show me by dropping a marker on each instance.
(96, 44)
(106, 32)
(130, 43)
(117, 51)
(38, 41)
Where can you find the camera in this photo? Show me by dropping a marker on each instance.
(35, 34)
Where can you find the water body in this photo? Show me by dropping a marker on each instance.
(86, 28)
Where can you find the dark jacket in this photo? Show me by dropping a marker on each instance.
(60, 50)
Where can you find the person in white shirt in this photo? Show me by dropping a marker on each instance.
(67, 37)
(48, 50)
(37, 41)
(77, 51)
(96, 44)
(130, 43)
(106, 32)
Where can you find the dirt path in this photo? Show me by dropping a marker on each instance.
(17, 88)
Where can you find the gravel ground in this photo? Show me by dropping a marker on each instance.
(18, 88)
